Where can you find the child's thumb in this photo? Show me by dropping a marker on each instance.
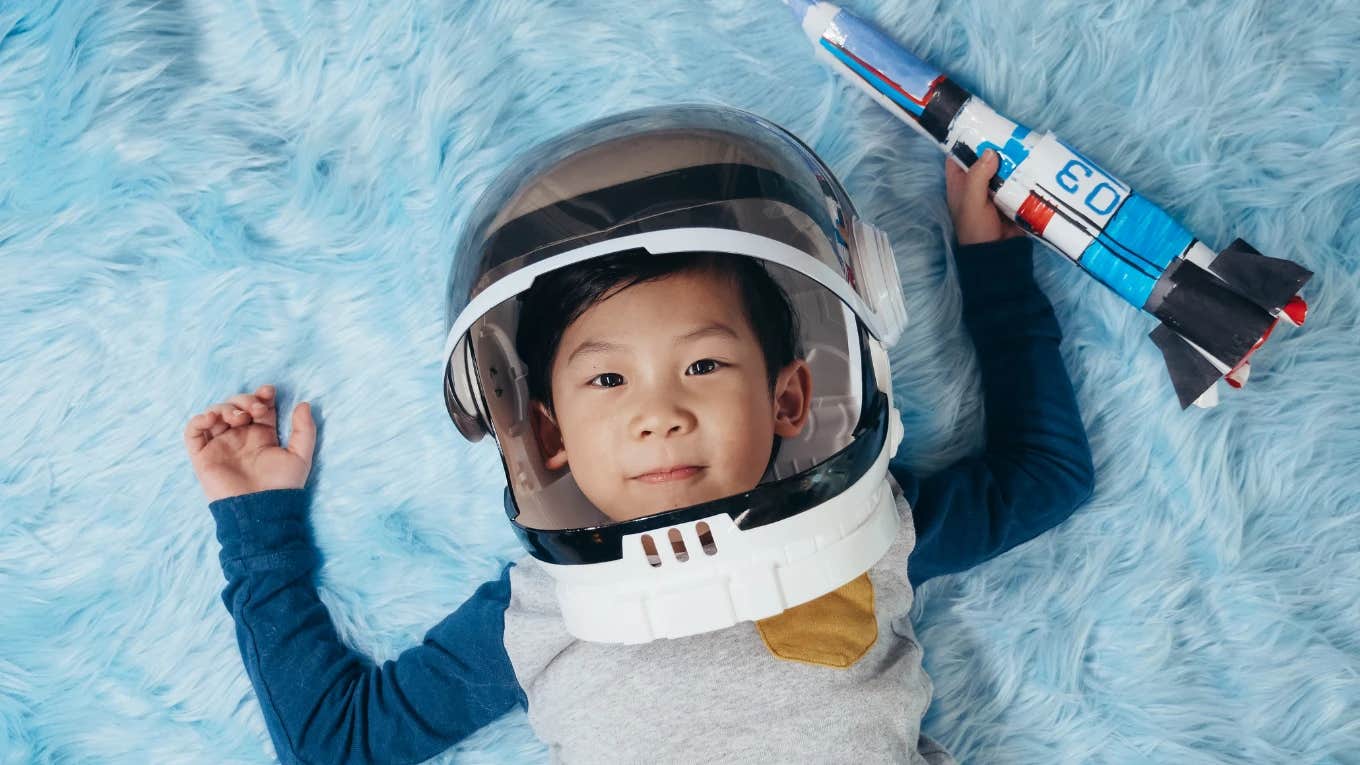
(302, 438)
(980, 175)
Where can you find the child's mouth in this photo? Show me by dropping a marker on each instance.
(666, 475)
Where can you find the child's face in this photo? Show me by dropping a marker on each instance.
(662, 398)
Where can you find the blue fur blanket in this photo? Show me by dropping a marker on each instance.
(199, 197)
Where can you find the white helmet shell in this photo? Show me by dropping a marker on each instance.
(691, 178)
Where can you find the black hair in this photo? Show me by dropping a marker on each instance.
(558, 298)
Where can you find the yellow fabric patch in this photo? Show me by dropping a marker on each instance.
(834, 630)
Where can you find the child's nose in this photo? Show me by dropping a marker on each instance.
(663, 417)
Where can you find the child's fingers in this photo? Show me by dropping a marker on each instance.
(201, 421)
(979, 175)
(202, 428)
(198, 431)
(302, 438)
(253, 408)
(231, 414)
(217, 416)
(238, 411)
(245, 402)
(259, 411)
(226, 409)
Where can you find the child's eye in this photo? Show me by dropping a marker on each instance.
(607, 380)
(703, 367)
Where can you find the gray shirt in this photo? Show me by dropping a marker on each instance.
(723, 696)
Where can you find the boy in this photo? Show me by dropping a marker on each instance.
(324, 703)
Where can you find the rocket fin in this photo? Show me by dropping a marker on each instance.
(1201, 308)
(1191, 373)
(1266, 281)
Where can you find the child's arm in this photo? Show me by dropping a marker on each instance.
(1036, 468)
(322, 701)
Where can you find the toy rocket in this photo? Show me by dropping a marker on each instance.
(1215, 309)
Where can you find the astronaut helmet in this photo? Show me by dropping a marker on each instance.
(705, 180)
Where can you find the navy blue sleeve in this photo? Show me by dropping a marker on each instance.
(322, 701)
(1036, 467)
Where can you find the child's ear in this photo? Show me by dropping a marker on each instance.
(792, 398)
(548, 436)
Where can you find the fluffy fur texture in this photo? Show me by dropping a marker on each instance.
(200, 197)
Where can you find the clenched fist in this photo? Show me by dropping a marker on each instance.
(976, 218)
(234, 446)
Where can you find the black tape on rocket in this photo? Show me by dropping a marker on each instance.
(1266, 281)
(942, 108)
(1203, 310)
(966, 155)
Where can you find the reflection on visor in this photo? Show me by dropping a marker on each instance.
(583, 186)
(690, 195)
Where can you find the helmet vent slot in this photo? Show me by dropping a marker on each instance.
(678, 545)
(649, 548)
(706, 538)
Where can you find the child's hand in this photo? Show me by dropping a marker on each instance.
(976, 219)
(234, 446)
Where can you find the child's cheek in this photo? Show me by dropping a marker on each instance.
(745, 450)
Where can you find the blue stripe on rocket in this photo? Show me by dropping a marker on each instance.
(904, 73)
(1011, 155)
(1142, 230)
